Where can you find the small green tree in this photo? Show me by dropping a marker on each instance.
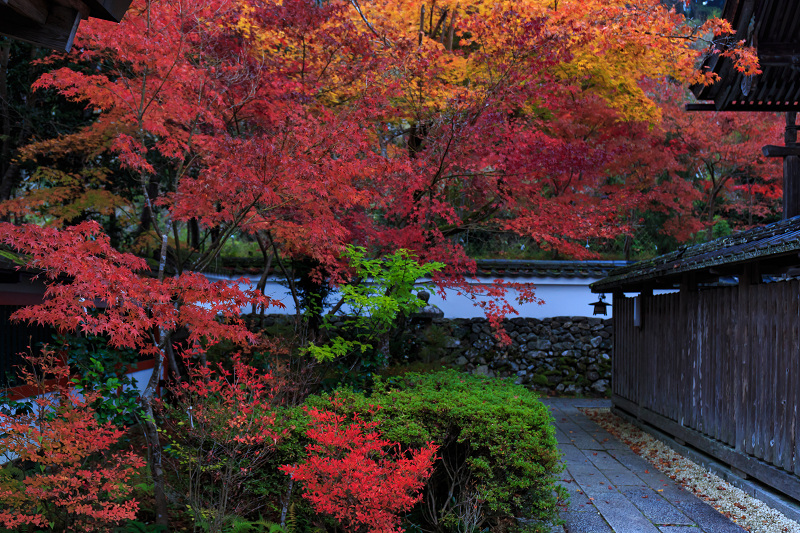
(385, 292)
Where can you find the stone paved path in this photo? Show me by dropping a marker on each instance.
(613, 490)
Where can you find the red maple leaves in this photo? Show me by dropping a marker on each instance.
(358, 477)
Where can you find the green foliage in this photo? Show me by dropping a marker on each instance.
(499, 456)
(541, 380)
(335, 348)
(102, 369)
(134, 526)
(386, 293)
(359, 344)
(240, 525)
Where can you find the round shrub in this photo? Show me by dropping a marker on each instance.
(498, 456)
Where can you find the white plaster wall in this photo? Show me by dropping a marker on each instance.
(561, 296)
(141, 377)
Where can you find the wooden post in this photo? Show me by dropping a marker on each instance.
(791, 166)
(791, 170)
(685, 330)
(742, 357)
(619, 346)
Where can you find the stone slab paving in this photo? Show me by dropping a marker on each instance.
(613, 490)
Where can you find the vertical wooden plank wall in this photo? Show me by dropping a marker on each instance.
(721, 361)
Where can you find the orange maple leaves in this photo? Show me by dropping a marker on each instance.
(79, 478)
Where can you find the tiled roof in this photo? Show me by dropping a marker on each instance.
(7, 263)
(485, 268)
(546, 269)
(780, 239)
(773, 28)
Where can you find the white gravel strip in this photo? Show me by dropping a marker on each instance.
(750, 513)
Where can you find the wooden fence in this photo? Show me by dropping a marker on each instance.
(718, 368)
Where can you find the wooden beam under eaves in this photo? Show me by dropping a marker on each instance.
(35, 10)
(700, 107)
(57, 32)
(112, 10)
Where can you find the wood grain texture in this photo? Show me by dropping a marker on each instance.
(721, 363)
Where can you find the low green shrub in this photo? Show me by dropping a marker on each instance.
(498, 456)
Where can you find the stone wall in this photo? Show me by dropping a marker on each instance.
(561, 354)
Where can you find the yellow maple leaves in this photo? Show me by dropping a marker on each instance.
(439, 50)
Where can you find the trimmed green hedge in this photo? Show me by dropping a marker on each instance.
(498, 457)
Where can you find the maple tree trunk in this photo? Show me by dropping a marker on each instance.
(155, 456)
(146, 217)
(262, 282)
(194, 234)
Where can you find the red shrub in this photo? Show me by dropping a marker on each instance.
(358, 477)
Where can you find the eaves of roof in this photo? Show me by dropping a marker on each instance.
(777, 241)
(773, 28)
(496, 268)
(546, 269)
(9, 261)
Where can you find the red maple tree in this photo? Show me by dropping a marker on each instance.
(309, 125)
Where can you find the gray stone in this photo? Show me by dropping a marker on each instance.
(622, 515)
(564, 345)
(586, 522)
(707, 517)
(482, 370)
(655, 507)
(613, 482)
(450, 342)
(543, 344)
